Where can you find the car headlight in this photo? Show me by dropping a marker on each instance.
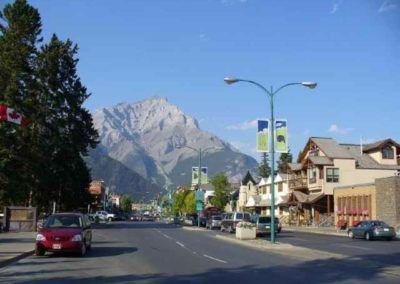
(40, 237)
(76, 238)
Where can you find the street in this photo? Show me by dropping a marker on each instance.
(125, 252)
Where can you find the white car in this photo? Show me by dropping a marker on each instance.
(105, 216)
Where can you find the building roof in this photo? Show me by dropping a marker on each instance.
(295, 167)
(379, 145)
(320, 160)
(365, 161)
(248, 178)
(331, 148)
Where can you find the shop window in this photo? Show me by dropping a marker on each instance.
(332, 175)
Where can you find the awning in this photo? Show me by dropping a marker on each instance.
(300, 197)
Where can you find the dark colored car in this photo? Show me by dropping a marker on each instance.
(373, 229)
(263, 224)
(214, 222)
(64, 232)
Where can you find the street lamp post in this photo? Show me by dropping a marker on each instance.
(199, 151)
(271, 93)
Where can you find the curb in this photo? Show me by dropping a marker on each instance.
(16, 258)
(288, 229)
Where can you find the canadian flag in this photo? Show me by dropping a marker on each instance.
(10, 115)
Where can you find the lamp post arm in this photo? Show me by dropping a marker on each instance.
(258, 85)
(284, 86)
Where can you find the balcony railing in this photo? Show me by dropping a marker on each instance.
(298, 182)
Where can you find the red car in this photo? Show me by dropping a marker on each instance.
(64, 232)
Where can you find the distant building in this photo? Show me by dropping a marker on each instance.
(98, 190)
(115, 199)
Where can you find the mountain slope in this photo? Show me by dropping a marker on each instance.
(118, 177)
(149, 137)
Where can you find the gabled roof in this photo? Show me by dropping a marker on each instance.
(331, 148)
(248, 178)
(295, 167)
(379, 144)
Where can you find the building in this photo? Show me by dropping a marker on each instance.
(281, 196)
(97, 188)
(248, 189)
(377, 200)
(115, 199)
(325, 164)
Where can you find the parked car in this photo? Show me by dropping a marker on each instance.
(147, 218)
(263, 224)
(372, 229)
(135, 217)
(64, 232)
(104, 216)
(214, 222)
(231, 219)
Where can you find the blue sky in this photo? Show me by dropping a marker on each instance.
(182, 50)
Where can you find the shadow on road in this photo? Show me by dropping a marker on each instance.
(316, 271)
(98, 252)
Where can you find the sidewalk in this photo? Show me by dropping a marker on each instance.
(330, 231)
(14, 246)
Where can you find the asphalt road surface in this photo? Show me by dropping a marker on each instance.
(126, 252)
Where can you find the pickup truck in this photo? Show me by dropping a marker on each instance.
(104, 216)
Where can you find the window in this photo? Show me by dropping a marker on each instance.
(332, 175)
(280, 187)
(313, 175)
(387, 152)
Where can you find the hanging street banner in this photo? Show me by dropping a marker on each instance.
(262, 135)
(195, 175)
(10, 115)
(204, 175)
(281, 137)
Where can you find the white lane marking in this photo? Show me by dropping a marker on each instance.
(357, 247)
(216, 259)
(168, 237)
(180, 244)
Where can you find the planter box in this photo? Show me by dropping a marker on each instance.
(246, 233)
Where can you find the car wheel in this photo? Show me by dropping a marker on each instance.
(109, 219)
(350, 234)
(368, 236)
(89, 246)
(83, 249)
(389, 238)
(39, 251)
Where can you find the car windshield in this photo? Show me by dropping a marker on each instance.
(218, 218)
(264, 220)
(63, 221)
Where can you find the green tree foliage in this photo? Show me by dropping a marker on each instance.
(190, 203)
(284, 160)
(264, 170)
(126, 203)
(44, 161)
(221, 191)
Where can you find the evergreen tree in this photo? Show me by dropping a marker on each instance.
(43, 162)
(221, 191)
(264, 170)
(20, 28)
(284, 160)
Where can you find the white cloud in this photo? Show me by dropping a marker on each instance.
(243, 125)
(334, 8)
(388, 5)
(334, 128)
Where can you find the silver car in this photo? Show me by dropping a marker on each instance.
(213, 222)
